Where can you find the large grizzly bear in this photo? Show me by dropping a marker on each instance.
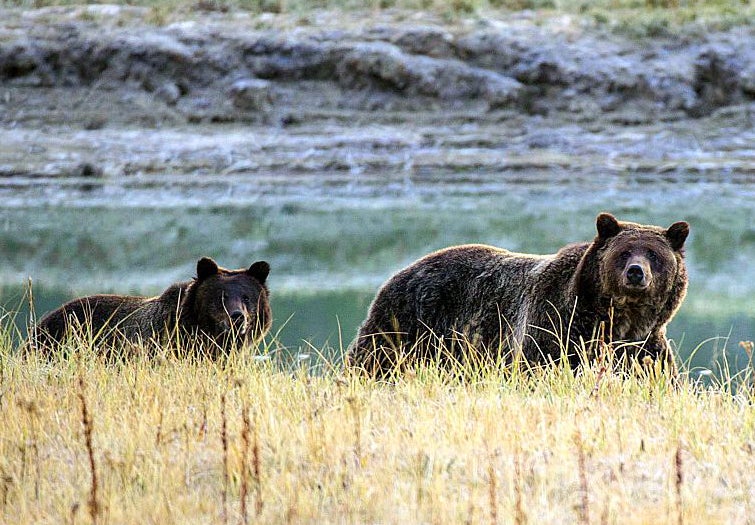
(624, 286)
(222, 308)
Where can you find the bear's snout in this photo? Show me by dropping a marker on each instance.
(238, 318)
(637, 275)
(238, 321)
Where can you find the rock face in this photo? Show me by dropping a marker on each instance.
(230, 72)
(385, 66)
(252, 94)
(106, 88)
(720, 79)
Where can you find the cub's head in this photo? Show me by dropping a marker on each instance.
(231, 306)
(638, 263)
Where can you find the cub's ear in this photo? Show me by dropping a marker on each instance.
(259, 270)
(607, 225)
(677, 234)
(206, 267)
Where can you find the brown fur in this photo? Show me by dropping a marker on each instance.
(501, 303)
(224, 308)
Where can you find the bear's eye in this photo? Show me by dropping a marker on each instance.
(246, 299)
(652, 256)
(624, 255)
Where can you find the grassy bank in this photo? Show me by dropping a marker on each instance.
(181, 441)
(638, 18)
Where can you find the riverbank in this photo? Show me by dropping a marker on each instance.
(100, 92)
(100, 67)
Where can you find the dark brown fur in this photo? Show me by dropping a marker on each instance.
(502, 302)
(224, 308)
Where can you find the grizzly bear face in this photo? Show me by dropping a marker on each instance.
(230, 306)
(639, 264)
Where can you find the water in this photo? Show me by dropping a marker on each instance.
(332, 238)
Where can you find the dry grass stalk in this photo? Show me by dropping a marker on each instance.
(520, 517)
(74, 512)
(678, 482)
(159, 431)
(584, 504)
(493, 488)
(256, 469)
(354, 405)
(596, 388)
(32, 323)
(86, 420)
(32, 443)
(245, 445)
(605, 352)
(470, 513)
(7, 484)
(224, 443)
(202, 432)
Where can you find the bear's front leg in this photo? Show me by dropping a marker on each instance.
(657, 348)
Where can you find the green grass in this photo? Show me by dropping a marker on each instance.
(457, 5)
(169, 440)
(638, 18)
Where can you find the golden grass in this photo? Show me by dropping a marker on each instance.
(173, 439)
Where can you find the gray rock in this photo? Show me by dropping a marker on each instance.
(716, 81)
(88, 170)
(505, 63)
(252, 94)
(430, 41)
(168, 93)
(747, 80)
(383, 65)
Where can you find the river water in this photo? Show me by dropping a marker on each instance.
(332, 237)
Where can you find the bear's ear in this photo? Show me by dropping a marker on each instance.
(259, 270)
(677, 234)
(607, 225)
(206, 267)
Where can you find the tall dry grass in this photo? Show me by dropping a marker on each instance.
(182, 440)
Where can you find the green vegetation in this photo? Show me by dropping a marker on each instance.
(279, 6)
(168, 440)
(640, 18)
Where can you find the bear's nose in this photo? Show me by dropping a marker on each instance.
(635, 275)
(237, 316)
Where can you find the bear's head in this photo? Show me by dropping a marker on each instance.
(230, 306)
(640, 264)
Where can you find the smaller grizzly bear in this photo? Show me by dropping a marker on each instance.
(624, 286)
(220, 308)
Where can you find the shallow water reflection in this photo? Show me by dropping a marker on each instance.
(332, 239)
